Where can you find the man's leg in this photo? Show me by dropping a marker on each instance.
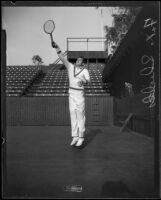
(81, 120)
(73, 117)
(74, 124)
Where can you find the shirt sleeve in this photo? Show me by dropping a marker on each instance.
(64, 60)
(86, 74)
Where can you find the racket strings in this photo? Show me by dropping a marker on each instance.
(49, 26)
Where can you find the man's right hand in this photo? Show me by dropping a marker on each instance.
(54, 45)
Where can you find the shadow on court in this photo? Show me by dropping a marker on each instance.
(89, 137)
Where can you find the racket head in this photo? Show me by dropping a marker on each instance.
(49, 26)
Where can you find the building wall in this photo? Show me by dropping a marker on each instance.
(55, 111)
(87, 54)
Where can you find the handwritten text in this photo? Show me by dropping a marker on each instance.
(148, 70)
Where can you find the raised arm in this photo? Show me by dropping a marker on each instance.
(60, 55)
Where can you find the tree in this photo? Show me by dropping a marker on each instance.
(123, 18)
(37, 60)
(111, 33)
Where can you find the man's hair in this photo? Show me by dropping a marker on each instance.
(113, 47)
(82, 58)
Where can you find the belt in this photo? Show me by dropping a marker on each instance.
(76, 88)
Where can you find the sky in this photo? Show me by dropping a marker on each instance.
(26, 37)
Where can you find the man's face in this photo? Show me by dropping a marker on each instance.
(79, 61)
(113, 50)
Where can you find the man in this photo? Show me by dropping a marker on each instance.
(78, 76)
(107, 69)
(113, 49)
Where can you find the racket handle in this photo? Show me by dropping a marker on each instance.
(54, 45)
(51, 36)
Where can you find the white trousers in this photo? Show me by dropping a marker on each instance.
(77, 112)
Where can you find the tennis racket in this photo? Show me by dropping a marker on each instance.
(49, 27)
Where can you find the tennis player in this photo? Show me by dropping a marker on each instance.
(78, 77)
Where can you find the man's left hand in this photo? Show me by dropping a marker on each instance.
(80, 83)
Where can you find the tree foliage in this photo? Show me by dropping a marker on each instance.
(122, 21)
(37, 60)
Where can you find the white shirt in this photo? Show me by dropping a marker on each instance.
(76, 75)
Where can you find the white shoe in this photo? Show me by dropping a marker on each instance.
(74, 141)
(80, 142)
